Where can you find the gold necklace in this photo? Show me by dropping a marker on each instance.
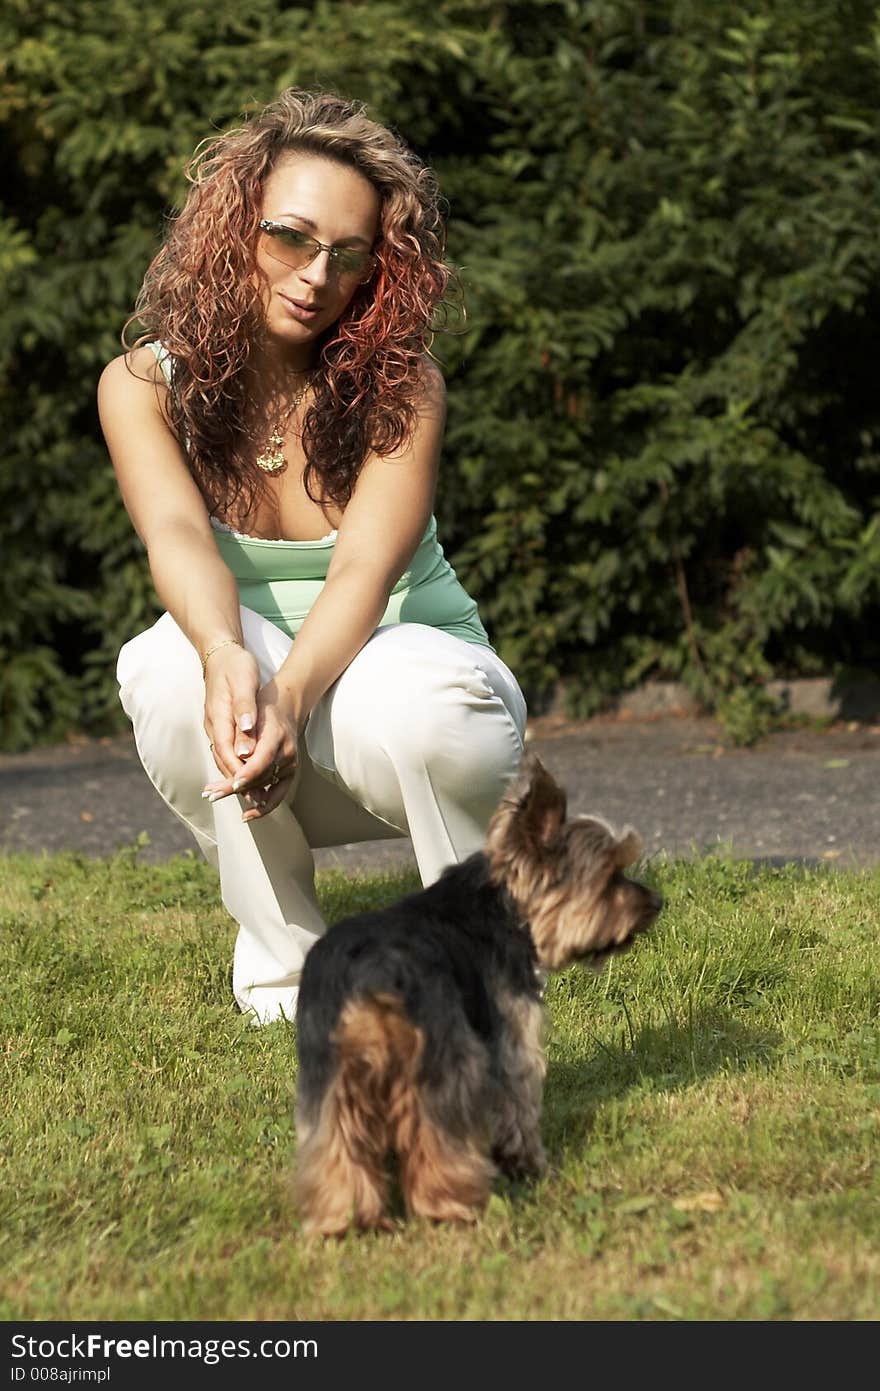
(272, 459)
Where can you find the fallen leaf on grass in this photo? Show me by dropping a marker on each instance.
(636, 1205)
(666, 1306)
(836, 763)
(86, 816)
(711, 1201)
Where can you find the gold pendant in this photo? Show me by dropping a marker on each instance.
(273, 460)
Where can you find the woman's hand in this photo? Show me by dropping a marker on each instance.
(264, 756)
(232, 680)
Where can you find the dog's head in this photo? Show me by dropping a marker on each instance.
(566, 877)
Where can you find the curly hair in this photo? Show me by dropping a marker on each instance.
(201, 300)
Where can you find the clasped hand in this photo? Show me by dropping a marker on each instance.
(253, 737)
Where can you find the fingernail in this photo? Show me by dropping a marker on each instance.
(239, 782)
(246, 722)
(214, 796)
(242, 752)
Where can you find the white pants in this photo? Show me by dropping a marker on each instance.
(419, 737)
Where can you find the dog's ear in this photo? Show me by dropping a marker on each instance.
(537, 802)
(628, 849)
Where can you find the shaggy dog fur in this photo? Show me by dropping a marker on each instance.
(420, 1027)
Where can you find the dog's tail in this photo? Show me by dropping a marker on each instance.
(379, 1050)
(373, 1108)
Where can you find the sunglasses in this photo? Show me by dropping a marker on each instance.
(297, 250)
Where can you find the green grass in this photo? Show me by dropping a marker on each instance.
(712, 1116)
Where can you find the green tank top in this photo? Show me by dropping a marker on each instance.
(280, 580)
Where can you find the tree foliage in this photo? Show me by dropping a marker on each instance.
(662, 455)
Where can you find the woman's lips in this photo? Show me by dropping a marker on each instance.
(300, 310)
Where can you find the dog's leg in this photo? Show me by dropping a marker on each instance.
(441, 1137)
(521, 1063)
(339, 1182)
(442, 1177)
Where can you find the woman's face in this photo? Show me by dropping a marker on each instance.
(333, 204)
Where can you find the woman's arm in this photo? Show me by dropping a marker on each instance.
(380, 533)
(168, 512)
(378, 536)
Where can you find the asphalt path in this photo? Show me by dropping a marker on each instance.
(808, 795)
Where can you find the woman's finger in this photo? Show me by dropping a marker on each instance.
(261, 804)
(229, 762)
(245, 726)
(263, 790)
(253, 779)
(265, 767)
(223, 750)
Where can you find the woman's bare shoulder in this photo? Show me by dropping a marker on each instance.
(431, 374)
(130, 372)
(432, 385)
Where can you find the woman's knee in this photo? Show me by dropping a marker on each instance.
(163, 693)
(160, 678)
(425, 699)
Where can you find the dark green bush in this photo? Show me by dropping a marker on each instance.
(662, 456)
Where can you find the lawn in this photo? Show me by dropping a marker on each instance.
(712, 1116)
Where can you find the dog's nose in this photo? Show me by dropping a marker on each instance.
(649, 906)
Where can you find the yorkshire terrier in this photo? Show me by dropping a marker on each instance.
(419, 1028)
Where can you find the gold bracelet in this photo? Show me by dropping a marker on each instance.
(227, 642)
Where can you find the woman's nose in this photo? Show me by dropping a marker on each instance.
(317, 272)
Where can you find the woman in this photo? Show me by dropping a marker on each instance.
(320, 676)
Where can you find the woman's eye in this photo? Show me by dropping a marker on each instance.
(292, 236)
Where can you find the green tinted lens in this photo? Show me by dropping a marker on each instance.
(350, 262)
(301, 247)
